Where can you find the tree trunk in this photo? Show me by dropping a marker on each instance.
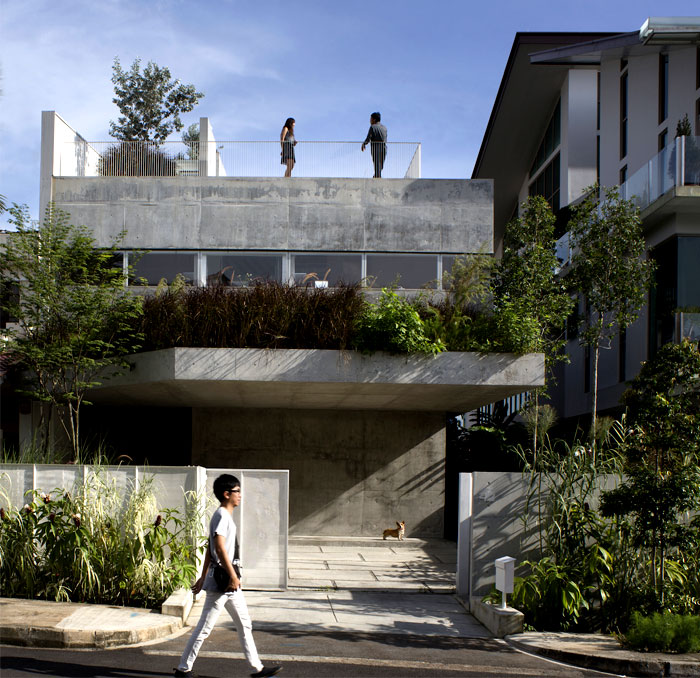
(594, 423)
(539, 474)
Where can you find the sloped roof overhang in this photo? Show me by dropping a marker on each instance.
(525, 100)
(320, 379)
(656, 34)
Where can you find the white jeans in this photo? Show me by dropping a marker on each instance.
(235, 604)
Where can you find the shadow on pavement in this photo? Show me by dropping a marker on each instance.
(53, 668)
(408, 640)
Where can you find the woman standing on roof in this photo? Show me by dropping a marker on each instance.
(288, 143)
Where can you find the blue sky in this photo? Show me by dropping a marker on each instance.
(431, 67)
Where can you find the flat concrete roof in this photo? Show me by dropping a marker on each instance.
(319, 379)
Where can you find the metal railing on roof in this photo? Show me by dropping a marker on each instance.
(342, 159)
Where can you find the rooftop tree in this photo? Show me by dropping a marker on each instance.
(75, 319)
(150, 102)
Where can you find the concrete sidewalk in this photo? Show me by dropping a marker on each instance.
(603, 653)
(39, 623)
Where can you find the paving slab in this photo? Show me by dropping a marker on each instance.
(306, 564)
(349, 556)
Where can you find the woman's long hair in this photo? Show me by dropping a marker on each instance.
(288, 124)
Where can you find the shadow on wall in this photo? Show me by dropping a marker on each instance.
(499, 527)
(351, 472)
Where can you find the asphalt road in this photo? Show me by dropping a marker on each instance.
(319, 655)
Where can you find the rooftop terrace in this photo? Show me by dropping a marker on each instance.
(73, 156)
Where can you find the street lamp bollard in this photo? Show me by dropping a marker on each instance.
(505, 571)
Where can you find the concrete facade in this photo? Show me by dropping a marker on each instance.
(319, 379)
(351, 472)
(321, 215)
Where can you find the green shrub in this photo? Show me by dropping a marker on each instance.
(269, 314)
(394, 325)
(471, 328)
(664, 632)
(548, 597)
(92, 545)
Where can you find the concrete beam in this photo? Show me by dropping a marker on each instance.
(333, 215)
(319, 379)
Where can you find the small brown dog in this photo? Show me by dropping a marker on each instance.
(397, 532)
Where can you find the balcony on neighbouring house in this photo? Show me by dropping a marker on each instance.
(673, 172)
(687, 327)
(676, 165)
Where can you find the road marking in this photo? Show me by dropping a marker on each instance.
(362, 661)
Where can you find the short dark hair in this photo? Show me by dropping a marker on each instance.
(376, 116)
(223, 483)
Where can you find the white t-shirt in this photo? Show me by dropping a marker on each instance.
(222, 524)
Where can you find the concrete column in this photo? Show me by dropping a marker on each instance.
(48, 134)
(207, 149)
(464, 536)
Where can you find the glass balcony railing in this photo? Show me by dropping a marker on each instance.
(676, 165)
(687, 327)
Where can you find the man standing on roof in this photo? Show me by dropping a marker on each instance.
(376, 137)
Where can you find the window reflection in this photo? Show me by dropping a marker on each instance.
(239, 270)
(334, 268)
(408, 271)
(152, 267)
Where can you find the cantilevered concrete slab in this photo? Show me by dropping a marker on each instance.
(317, 379)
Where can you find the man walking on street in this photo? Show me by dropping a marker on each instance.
(376, 137)
(221, 581)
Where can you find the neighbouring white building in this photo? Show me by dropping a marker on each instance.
(578, 108)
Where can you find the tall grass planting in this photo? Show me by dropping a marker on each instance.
(264, 315)
(99, 544)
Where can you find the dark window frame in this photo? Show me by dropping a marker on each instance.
(663, 87)
(622, 356)
(624, 112)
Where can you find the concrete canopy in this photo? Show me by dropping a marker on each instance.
(320, 379)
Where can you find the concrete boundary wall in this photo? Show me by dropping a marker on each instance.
(492, 512)
(262, 519)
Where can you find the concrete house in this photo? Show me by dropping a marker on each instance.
(578, 108)
(362, 436)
